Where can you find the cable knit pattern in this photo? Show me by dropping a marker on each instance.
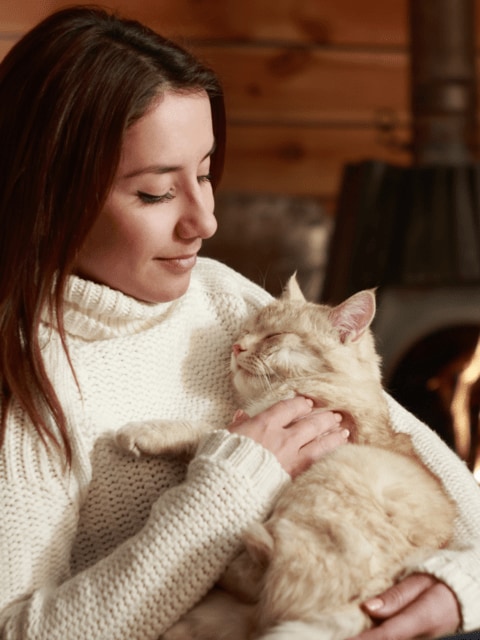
(118, 548)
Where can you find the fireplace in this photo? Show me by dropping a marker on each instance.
(414, 232)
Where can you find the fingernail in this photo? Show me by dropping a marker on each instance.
(374, 604)
(346, 433)
(338, 417)
(309, 401)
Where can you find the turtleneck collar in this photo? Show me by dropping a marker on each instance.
(96, 312)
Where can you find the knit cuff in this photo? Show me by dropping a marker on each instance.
(247, 458)
(460, 570)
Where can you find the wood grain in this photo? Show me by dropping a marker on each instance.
(303, 160)
(309, 85)
(369, 22)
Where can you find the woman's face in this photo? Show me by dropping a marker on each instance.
(145, 241)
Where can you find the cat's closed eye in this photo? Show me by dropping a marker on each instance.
(273, 335)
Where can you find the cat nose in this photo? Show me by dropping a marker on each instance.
(237, 349)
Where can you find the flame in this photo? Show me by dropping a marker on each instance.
(460, 409)
(476, 466)
(476, 471)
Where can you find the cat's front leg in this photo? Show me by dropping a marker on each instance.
(161, 437)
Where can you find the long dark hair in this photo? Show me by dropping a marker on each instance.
(68, 91)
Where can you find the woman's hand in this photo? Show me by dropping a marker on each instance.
(294, 431)
(418, 606)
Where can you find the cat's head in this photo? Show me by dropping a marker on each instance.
(292, 342)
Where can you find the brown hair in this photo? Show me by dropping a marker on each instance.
(68, 91)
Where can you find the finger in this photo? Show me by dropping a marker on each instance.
(434, 612)
(328, 421)
(397, 597)
(285, 411)
(327, 441)
(319, 446)
(325, 419)
(315, 425)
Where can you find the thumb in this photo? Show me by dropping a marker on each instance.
(399, 596)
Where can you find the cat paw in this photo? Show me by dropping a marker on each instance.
(160, 437)
(136, 438)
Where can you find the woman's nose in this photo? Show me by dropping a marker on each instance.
(198, 219)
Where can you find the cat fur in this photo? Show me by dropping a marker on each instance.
(353, 523)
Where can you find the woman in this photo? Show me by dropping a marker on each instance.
(113, 142)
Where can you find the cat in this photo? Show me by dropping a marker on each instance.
(348, 527)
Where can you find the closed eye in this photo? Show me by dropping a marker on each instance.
(273, 335)
(150, 198)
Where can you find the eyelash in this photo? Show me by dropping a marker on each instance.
(273, 335)
(148, 198)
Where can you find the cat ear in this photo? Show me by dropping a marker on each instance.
(292, 290)
(353, 316)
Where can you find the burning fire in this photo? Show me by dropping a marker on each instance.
(460, 410)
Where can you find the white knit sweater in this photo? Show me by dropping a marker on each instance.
(119, 548)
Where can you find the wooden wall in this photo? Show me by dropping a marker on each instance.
(310, 84)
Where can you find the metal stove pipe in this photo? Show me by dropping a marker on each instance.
(443, 81)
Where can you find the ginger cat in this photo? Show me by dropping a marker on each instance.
(347, 528)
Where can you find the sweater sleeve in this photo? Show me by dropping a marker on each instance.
(148, 582)
(458, 567)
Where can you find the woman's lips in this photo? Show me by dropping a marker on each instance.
(179, 264)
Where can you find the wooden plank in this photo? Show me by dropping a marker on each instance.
(303, 160)
(369, 22)
(363, 23)
(278, 84)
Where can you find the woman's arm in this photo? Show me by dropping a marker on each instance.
(141, 588)
(148, 582)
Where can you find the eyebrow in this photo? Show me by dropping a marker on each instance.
(161, 169)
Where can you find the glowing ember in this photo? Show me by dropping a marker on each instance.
(460, 409)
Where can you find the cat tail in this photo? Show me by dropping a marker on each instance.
(346, 622)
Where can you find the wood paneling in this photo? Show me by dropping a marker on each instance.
(276, 85)
(344, 22)
(309, 84)
(302, 160)
(351, 23)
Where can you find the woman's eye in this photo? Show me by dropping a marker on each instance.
(150, 198)
(206, 178)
